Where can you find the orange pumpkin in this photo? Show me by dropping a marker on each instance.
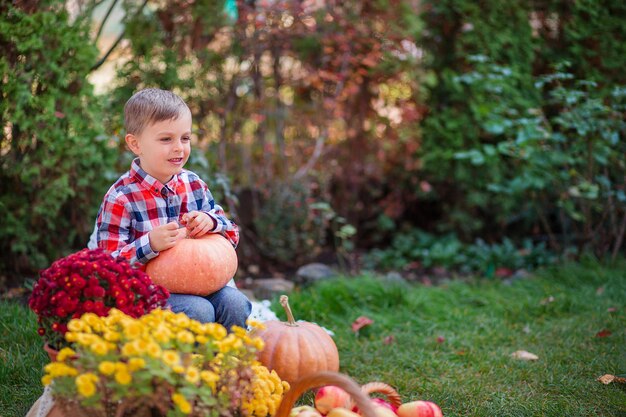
(295, 349)
(195, 266)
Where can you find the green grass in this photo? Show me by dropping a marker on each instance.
(469, 374)
(22, 359)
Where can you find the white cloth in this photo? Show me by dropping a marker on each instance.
(43, 405)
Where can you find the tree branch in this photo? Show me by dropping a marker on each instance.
(117, 41)
(104, 20)
(319, 143)
(317, 152)
(620, 238)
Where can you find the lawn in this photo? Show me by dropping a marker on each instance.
(450, 344)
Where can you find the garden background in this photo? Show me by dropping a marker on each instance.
(460, 134)
(436, 139)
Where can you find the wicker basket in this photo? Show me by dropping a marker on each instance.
(381, 388)
(359, 395)
(155, 405)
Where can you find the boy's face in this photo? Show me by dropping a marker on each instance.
(163, 147)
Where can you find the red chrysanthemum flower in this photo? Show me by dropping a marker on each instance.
(90, 281)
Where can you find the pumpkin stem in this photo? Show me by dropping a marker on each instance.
(284, 301)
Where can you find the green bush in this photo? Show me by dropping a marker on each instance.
(455, 31)
(288, 226)
(510, 150)
(559, 161)
(53, 155)
(418, 248)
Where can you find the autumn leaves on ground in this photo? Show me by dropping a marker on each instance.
(451, 344)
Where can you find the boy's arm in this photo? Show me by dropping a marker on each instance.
(114, 233)
(221, 223)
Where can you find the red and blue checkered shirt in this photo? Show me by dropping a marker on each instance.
(138, 202)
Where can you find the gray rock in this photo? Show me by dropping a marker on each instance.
(519, 275)
(522, 274)
(248, 293)
(394, 277)
(267, 288)
(314, 272)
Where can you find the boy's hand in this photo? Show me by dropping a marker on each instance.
(164, 237)
(198, 223)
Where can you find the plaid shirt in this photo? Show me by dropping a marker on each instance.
(138, 202)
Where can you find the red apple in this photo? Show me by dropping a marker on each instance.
(304, 411)
(329, 397)
(419, 409)
(382, 403)
(378, 402)
(382, 411)
(341, 412)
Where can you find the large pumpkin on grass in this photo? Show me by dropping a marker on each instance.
(295, 349)
(198, 266)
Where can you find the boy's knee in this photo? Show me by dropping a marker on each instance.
(232, 306)
(240, 300)
(240, 303)
(196, 308)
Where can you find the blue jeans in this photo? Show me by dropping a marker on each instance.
(228, 307)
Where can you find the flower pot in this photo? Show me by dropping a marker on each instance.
(120, 409)
(52, 353)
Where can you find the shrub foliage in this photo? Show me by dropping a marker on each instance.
(52, 154)
(484, 119)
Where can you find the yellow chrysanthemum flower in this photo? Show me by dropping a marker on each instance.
(192, 375)
(185, 336)
(267, 390)
(129, 349)
(153, 349)
(76, 326)
(57, 369)
(272, 406)
(255, 324)
(106, 368)
(238, 331)
(136, 363)
(141, 345)
(161, 333)
(111, 336)
(210, 378)
(195, 327)
(181, 320)
(71, 337)
(231, 342)
(123, 377)
(100, 348)
(65, 353)
(182, 403)
(133, 329)
(215, 330)
(85, 384)
(91, 319)
(261, 410)
(258, 343)
(171, 357)
(86, 339)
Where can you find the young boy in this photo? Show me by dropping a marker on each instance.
(141, 212)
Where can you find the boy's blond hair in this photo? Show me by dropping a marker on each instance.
(149, 106)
